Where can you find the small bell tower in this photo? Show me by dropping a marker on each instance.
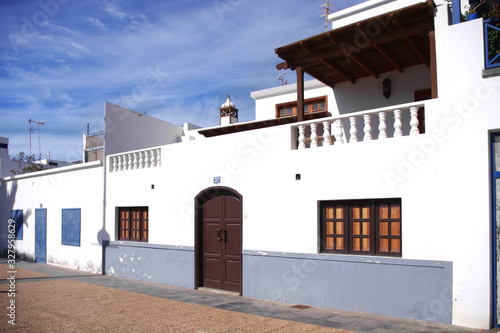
(228, 113)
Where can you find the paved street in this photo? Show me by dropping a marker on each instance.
(54, 299)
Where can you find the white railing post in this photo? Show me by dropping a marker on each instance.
(153, 156)
(353, 130)
(397, 123)
(120, 162)
(141, 160)
(130, 162)
(339, 133)
(367, 128)
(314, 136)
(136, 160)
(148, 158)
(115, 163)
(158, 156)
(326, 134)
(414, 121)
(302, 137)
(382, 127)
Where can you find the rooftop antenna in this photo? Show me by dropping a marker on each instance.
(281, 77)
(32, 130)
(327, 6)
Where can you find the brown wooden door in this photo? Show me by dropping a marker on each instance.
(222, 243)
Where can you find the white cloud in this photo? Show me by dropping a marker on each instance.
(96, 23)
(113, 10)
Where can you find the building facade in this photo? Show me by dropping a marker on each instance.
(371, 188)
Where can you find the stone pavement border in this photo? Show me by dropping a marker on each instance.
(331, 318)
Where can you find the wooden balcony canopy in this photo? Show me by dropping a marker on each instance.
(393, 41)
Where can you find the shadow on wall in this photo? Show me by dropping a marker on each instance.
(8, 200)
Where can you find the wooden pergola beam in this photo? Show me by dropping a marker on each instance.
(339, 71)
(381, 50)
(386, 37)
(411, 42)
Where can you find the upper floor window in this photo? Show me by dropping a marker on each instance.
(133, 224)
(368, 227)
(310, 105)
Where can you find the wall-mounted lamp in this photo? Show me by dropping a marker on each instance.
(386, 88)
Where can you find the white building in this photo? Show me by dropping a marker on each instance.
(378, 198)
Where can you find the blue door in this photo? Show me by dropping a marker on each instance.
(41, 235)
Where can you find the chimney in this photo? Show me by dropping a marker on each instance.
(228, 113)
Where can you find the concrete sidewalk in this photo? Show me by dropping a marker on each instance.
(42, 290)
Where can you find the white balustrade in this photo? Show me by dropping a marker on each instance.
(314, 136)
(326, 134)
(382, 127)
(339, 133)
(148, 158)
(353, 130)
(367, 128)
(397, 123)
(302, 137)
(414, 121)
(405, 119)
(158, 156)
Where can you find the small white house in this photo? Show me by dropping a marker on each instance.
(371, 188)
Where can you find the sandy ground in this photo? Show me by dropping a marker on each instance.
(64, 305)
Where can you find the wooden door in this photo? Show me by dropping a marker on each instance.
(221, 249)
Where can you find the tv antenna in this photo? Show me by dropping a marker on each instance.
(32, 130)
(327, 6)
(281, 77)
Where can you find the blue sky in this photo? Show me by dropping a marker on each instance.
(175, 60)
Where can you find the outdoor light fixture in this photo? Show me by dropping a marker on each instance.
(386, 88)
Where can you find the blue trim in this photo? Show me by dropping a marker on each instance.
(495, 175)
(490, 63)
(456, 11)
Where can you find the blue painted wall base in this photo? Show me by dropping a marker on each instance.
(415, 289)
(172, 265)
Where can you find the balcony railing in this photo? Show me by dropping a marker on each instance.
(492, 43)
(378, 124)
(141, 159)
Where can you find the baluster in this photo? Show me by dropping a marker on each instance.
(158, 156)
(326, 134)
(120, 163)
(314, 136)
(397, 123)
(353, 130)
(382, 126)
(130, 162)
(136, 160)
(115, 163)
(302, 137)
(338, 131)
(367, 128)
(414, 121)
(147, 159)
(141, 160)
(153, 157)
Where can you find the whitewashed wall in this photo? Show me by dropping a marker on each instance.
(129, 130)
(79, 186)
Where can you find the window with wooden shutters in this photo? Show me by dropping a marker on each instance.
(365, 227)
(310, 105)
(133, 224)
